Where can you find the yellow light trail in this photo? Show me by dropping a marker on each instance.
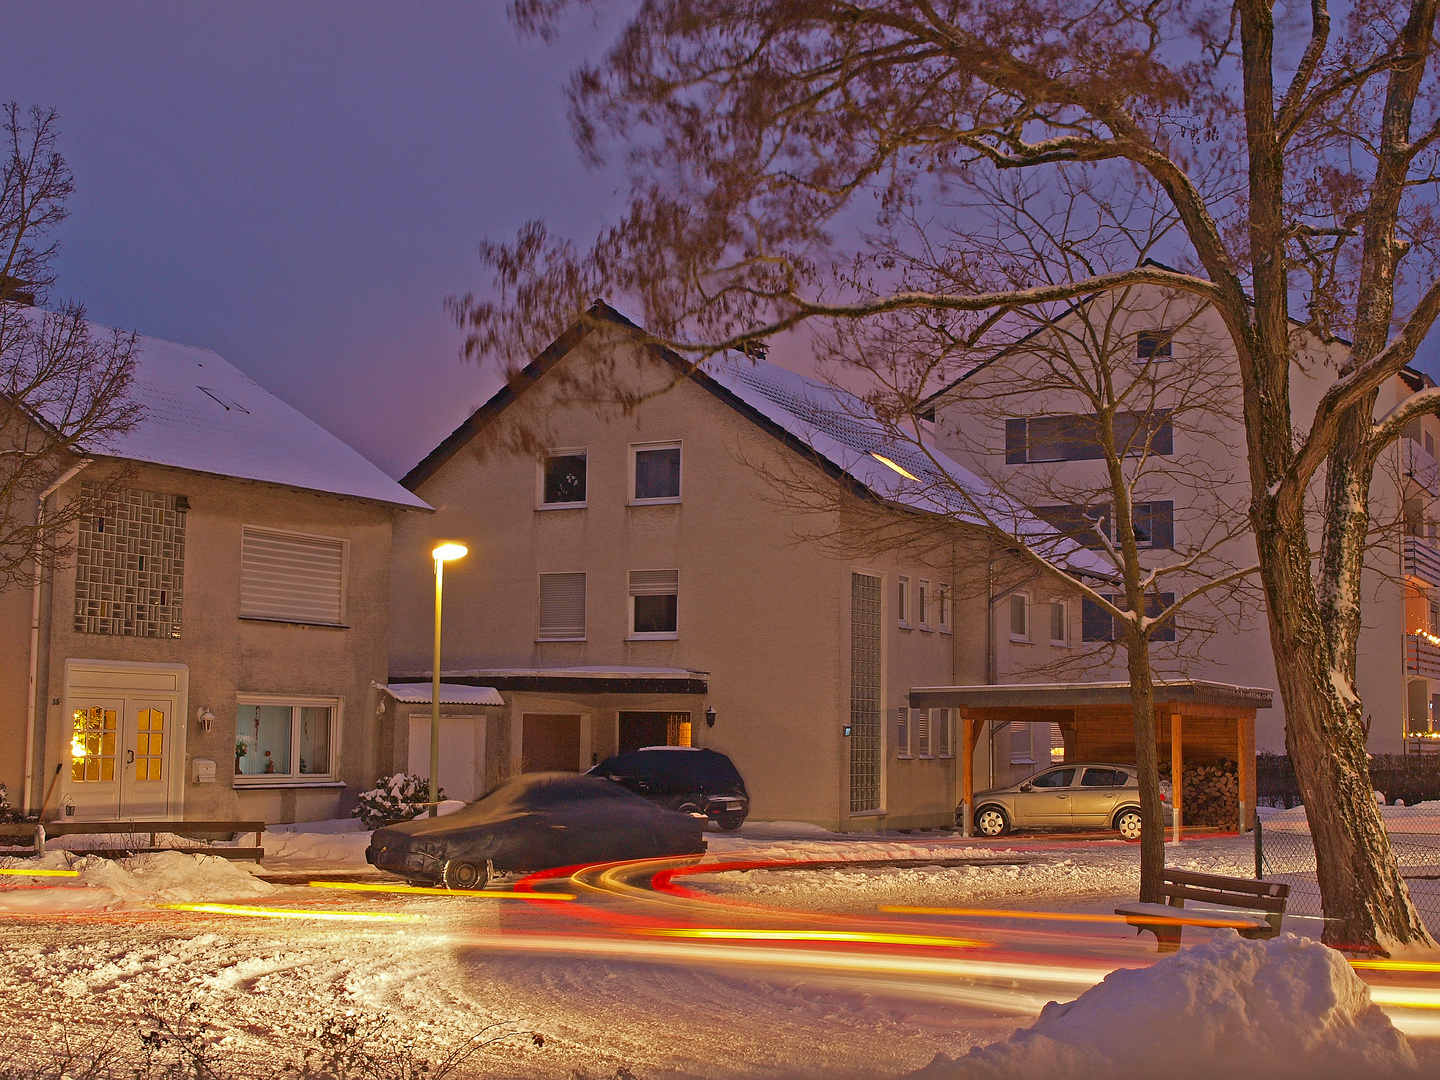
(1065, 916)
(39, 873)
(413, 890)
(861, 937)
(293, 913)
(1396, 965)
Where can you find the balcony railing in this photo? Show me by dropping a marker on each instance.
(1420, 466)
(1422, 560)
(1422, 657)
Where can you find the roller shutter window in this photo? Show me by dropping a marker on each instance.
(922, 732)
(292, 578)
(654, 602)
(562, 607)
(902, 732)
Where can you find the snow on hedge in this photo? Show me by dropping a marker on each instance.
(100, 883)
(1233, 1008)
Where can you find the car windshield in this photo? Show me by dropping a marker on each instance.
(701, 768)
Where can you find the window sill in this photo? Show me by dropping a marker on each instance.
(945, 757)
(904, 757)
(868, 813)
(295, 622)
(245, 785)
(927, 629)
(654, 637)
(1059, 644)
(1014, 640)
(655, 502)
(562, 506)
(926, 757)
(947, 629)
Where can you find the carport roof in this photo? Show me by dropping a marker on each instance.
(1080, 694)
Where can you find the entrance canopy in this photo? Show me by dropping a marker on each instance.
(1208, 721)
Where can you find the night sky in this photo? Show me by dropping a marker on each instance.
(299, 186)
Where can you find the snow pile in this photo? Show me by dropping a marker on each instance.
(336, 844)
(1233, 1008)
(100, 883)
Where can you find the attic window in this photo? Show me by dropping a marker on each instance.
(1154, 345)
(226, 403)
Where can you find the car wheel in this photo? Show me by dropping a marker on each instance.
(991, 821)
(688, 804)
(1127, 823)
(730, 820)
(463, 875)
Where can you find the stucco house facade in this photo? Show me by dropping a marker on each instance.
(1398, 671)
(210, 649)
(687, 572)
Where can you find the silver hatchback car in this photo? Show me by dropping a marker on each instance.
(1085, 795)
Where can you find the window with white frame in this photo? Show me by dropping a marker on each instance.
(902, 732)
(922, 604)
(292, 577)
(944, 732)
(279, 739)
(902, 599)
(655, 473)
(946, 615)
(654, 603)
(562, 478)
(1019, 617)
(1059, 622)
(562, 607)
(921, 718)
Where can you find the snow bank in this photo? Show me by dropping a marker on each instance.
(155, 877)
(1233, 1008)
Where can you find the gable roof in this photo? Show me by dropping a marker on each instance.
(201, 413)
(835, 430)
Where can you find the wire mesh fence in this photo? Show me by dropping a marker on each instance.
(1285, 852)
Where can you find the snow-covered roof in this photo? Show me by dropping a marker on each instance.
(844, 430)
(450, 694)
(601, 671)
(203, 414)
(1068, 695)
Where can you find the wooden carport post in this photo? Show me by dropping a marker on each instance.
(968, 736)
(1177, 772)
(1245, 761)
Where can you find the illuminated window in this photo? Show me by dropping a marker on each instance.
(277, 739)
(92, 745)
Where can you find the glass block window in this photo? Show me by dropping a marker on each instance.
(130, 565)
(864, 693)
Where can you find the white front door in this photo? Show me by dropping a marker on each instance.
(120, 757)
(462, 754)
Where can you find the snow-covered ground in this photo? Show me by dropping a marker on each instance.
(93, 954)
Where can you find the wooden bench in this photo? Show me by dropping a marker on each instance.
(33, 835)
(1257, 906)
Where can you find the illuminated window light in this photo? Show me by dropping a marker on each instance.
(890, 464)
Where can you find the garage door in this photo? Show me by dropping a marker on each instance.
(550, 743)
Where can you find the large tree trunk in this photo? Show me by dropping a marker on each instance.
(1366, 904)
(1147, 767)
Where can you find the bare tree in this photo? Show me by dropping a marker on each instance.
(63, 389)
(1296, 152)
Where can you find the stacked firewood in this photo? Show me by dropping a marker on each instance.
(1211, 794)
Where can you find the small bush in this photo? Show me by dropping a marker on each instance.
(394, 798)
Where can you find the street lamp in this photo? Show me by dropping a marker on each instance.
(442, 554)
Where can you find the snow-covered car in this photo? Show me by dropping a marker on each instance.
(685, 778)
(536, 821)
(1083, 795)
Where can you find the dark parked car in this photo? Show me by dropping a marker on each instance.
(534, 822)
(683, 778)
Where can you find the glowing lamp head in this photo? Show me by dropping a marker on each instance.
(448, 551)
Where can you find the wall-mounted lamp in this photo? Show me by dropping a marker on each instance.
(710, 716)
(206, 718)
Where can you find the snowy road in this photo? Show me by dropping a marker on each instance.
(788, 969)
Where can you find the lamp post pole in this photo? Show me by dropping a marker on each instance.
(442, 554)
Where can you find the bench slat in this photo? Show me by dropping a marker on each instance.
(1187, 917)
(1225, 884)
(178, 828)
(1274, 904)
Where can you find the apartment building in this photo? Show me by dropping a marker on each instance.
(693, 571)
(1192, 489)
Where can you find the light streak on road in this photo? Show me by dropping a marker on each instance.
(1396, 965)
(859, 937)
(296, 913)
(23, 872)
(418, 890)
(1215, 922)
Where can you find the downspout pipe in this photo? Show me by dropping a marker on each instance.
(65, 478)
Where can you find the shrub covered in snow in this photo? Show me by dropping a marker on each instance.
(7, 814)
(394, 798)
(1232, 1008)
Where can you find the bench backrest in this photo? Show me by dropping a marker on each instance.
(1217, 889)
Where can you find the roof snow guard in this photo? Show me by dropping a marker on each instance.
(201, 413)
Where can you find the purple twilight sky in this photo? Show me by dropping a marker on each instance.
(298, 186)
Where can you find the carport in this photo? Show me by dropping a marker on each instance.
(1195, 721)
